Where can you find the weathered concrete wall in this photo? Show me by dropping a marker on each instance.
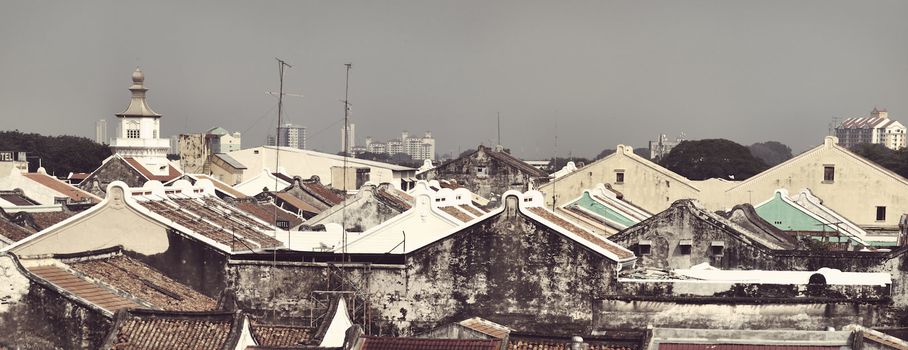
(719, 314)
(670, 289)
(32, 316)
(498, 177)
(190, 262)
(360, 213)
(115, 169)
(509, 270)
(194, 152)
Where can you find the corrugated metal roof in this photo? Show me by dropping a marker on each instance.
(486, 327)
(230, 161)
(592, 238)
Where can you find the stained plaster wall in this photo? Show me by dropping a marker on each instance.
(361, 212)
(34, 316)
(507, 269)
(719, 314)
(115, 169)
(500, 177)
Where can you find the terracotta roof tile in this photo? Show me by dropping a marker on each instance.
(266, 212)
(396, 200)
(322, 192)
(243, 235)
(486, 327)
(148, 330)
(280, 335)
(50, 218)
(144, 283)
(517, 163)
(69, 190)
(172, 173)
(456, 213)
(604, 244)
(296, 202)
(389, 343)
(14, 232)
(17, 199)
(555, 344)
(93, 293)
(471, 210)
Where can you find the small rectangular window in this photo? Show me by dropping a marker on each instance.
(684, 246)
(828, 173)
(132, 134)
(645, 247)
(619, 178)
(717, 248)
(880, 213)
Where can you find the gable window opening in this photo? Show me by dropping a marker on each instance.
(828, 173)
(880, 213)
(619, 177)
(645, 247)
(717, 248)
(684, 246)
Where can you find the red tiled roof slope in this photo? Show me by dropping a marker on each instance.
(280, 335)
(151, 331)
(172, 173)
(389, 343)
(604, 244)
(66, 280)
(62, 187)
(145, 283)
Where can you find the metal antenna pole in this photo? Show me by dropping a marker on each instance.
(346, 153)
(499, 128)
(281, 64)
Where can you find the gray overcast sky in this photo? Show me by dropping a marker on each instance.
(609, 72)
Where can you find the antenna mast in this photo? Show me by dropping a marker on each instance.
(346, 153)
(499, 128)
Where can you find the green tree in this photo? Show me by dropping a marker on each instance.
(771, 152)
(895, 161)
(59, 155)
(713, 158)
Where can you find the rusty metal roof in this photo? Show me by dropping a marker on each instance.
(296, 202)
(389, 343)
(453, 211)
(81, 288)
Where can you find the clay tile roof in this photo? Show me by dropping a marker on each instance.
(398, 200)
(172, 173)
(266, 212)
(553, 344)
(471, 210)
(517, 163)
(217, 220)
(144, 283)
(81, 288)
(388, 343)
(147, 330)
(280, 335)
(322, 192)
(296, 202)
(62, 187)
(17, 199)
(456, 213)
(50, 218)
(602, 243)
(486, 327)
(12, 231)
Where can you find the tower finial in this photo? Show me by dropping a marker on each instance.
(137, 76)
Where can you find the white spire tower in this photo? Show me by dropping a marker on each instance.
(139, 127)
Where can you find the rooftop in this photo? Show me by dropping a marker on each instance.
(147, 329)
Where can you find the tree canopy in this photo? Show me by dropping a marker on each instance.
(895, 161)
(771, 152)
(713, 158)
(59, 155)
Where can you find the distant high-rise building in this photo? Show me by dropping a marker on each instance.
(416, 147)
(348, 138)
(875, 129)
(293, 136)
(101, 132)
